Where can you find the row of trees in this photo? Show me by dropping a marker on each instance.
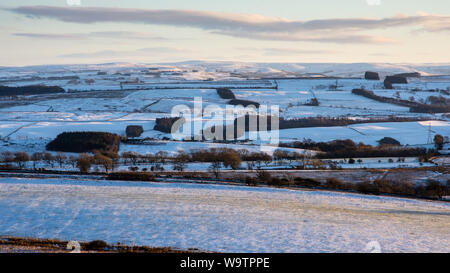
(29, 90)
(83, 162)
(319, 121)
(429, 189)
(416, 107)
(219, 157)
(225, 157)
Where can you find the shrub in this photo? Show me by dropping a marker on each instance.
(274, 181)
(312, 102)
(383, 186)
(439, 141)
(95, 245)
(404, 187)
(264, 176)
(334, 183)
(388, 141)
(433, 189)
(85, 142)
(131, 176)
(278, 182)
(250, 181)
(244, 103)
(306, 182)
(366, 187)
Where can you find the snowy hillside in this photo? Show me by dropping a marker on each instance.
(220, 218)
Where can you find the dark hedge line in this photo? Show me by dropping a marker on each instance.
(244, 103)
(414, 107)
(319, 121)
(397, 79)
(349, 149)
(29, 90)
(236, 131)
(131, 176)
(371, 95)
(431, 189)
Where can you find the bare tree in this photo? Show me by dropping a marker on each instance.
(231, 159)
(60, 157)
(215, 168)
(21, 158)
(180, 161)
(6, 157)
(36, 157)
(49, 158)
(73, 161)
(84, 163)
(104, 161)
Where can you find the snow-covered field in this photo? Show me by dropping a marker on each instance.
(28, 123)
(220, 218)
(408, 133)
(198, 70)
(109, 97)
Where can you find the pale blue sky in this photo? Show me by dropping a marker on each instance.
(235, 30)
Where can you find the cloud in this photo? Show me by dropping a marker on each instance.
(252, 26)
(91, 35)
(126, 53)
(323, 37)
(294, 51)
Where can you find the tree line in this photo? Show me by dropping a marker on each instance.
(414, 106)
(349, 149)
(29, 90)
(85, 142)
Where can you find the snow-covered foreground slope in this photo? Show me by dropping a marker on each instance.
(220, 218)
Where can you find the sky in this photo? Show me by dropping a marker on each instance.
(36, 32)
